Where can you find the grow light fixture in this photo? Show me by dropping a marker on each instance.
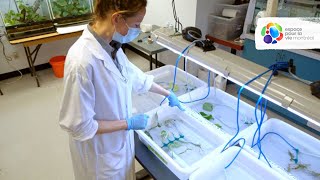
(221, 74)
(222, 66)
(192, 59)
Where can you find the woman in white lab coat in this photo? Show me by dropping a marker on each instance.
(96, 105)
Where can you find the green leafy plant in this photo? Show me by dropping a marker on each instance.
(218, 126)
(148, 134)
(25, 14)
(299, 166)
(67, 8)
(176, 87)
(206, 116)
(207, 106)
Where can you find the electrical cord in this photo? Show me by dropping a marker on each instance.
(8, 59)
(178, 24)
(296, 77)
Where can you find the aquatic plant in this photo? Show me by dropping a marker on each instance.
(68, 8)
(207, 106)
(26, 14)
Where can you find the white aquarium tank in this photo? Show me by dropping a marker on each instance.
(292, 150)
(182, 140)
(163, 76)
(25, 18)
(245, 166)
(220, 109)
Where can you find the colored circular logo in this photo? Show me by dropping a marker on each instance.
(272, 33)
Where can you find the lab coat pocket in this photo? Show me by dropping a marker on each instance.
(110, 164)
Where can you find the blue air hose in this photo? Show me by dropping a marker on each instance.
(175, 76)
(244, 142)
(238, 104)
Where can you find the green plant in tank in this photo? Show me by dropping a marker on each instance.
(25, 14)
(67, 8)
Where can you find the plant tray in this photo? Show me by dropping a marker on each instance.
(73, 20)
(181, 139)
(29, 30)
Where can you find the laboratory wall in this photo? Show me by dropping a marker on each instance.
(160, 12)
(190, 13)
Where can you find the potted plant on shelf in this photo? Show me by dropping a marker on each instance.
(25, 21)
(66, 12)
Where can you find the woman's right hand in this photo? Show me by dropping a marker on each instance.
(137, 122)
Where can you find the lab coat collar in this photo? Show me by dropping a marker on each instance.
(97, 50)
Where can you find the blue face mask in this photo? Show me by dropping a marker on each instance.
(131, 35)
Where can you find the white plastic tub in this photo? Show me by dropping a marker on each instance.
(245, 166)
(225, 28)
(142, 103)
(277, 151)
(224, 109)
(190, 132)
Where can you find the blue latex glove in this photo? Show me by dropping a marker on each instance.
(174, 101)
(137, 122)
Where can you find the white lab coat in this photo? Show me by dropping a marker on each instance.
(96, 90)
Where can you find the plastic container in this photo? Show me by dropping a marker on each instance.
(225, 28)
(164, 76)
(245, 166)
(183, 141)
(242, 9)
(57, 64)
(224, 110)
(277, 151)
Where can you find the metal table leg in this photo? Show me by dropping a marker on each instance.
(233, 51)
(156, 61)
(31, 57)
(150, 62)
